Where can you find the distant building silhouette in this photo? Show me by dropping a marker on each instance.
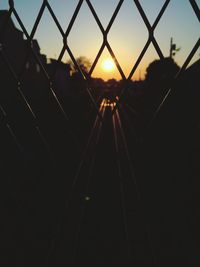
(12, 42)
(61, 73)
(15, 47)
(17, 50)
(31, 63)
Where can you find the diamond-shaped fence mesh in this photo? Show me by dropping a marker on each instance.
(59, 144)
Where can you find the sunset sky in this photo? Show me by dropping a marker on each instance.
(127, 36)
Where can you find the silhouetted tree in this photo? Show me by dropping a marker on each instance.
(161, 70)
(159, 77)
(84, 64)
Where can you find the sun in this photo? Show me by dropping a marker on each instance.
(108, 65)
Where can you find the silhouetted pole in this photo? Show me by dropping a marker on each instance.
(173, 48)
(170, 52)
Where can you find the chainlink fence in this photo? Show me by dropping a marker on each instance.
(38, 125)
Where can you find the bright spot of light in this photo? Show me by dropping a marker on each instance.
(87, 198)
(108, 65)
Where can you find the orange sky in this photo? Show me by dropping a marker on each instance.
(127, 35)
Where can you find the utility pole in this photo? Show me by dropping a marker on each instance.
(170, 51)
(173, 49)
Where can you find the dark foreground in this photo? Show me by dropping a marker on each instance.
(135, 209)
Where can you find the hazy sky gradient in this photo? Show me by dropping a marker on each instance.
(127, 36)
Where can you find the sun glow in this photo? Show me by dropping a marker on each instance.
(108, 65)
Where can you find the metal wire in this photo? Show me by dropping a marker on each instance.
(174, 82)
(150, 40)
(22, 96)
(105, 43)
(86, 77)
(6, 122)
